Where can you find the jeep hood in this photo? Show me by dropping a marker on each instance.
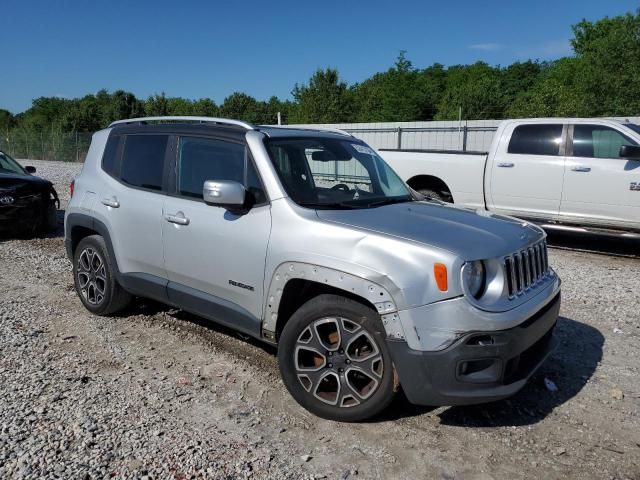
(467, 233)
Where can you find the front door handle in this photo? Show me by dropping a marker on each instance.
(177, 218)
(506, 165)
(581, 168)
(111, 202)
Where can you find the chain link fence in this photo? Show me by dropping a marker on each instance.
(42, 145)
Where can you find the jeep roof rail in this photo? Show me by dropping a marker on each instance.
(219, 121)
(317, 129)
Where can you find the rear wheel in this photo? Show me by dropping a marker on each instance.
(94, 278)
(334, 360)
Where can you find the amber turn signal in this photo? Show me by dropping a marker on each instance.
(440, 272)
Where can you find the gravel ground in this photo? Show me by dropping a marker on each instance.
(157, 393)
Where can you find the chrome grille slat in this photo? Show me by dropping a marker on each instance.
(525, 269)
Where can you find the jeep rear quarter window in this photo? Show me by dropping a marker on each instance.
(143, 161)
(536, 139)
(109, 158)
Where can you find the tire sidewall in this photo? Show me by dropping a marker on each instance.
(335, 306)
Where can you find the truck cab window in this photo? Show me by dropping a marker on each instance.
(536, 139)
(598, 141)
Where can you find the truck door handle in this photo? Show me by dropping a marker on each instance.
(177, 218)
(581, 168)
(506, 165)
(111, 202)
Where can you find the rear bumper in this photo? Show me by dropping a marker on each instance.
(481, 366)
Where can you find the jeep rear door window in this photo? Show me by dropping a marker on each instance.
(202, 159)
(536, 139)
(598, 141)
(143, 160)
(332, 173)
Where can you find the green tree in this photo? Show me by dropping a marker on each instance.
(6, 120)
(554, 93)
(156, 105)
(325, 99)
(608, 52)
(401, 93)
(241, 106)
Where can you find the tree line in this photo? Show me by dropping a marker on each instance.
(601, 78)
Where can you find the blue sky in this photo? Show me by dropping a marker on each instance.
(212, 48)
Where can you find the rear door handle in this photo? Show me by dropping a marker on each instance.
(111, 202)
(580, 168)
(177, 218)
(506, 165)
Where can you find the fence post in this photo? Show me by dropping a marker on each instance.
(399, 145)
(465, 129)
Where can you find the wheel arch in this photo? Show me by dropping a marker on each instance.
(79, 226)
(294, 283)
(419, 182)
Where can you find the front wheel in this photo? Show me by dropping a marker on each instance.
(334, 360)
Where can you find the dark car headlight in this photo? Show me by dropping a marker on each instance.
(474, 275)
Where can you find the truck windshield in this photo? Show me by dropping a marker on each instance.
(331, 173)
(633, 126)
(9, 165)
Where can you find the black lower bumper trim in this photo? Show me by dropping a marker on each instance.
(481, 366)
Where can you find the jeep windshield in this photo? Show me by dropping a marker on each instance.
(335, 174)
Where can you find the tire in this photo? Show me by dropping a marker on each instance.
(322, 364)
(94, 278)
(442, 196)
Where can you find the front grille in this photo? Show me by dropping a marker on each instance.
(526, 268)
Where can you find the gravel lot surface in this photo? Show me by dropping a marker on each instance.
(157, 393)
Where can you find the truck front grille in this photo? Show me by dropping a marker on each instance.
(526, 268)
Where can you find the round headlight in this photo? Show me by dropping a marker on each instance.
(474, 276)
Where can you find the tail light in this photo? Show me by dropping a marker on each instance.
(72, 187)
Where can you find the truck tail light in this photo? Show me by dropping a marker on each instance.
(72, 187)
(440, 273)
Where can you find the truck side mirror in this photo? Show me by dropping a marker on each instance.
(224, 193)
(630, 151)
(30, 169)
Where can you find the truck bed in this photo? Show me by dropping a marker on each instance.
(447, 165)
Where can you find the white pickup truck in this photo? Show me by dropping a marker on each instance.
(560, 172)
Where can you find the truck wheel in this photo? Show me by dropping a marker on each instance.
(334, 360)
(436, 195)
(94, 279)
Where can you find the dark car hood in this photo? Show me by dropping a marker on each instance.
(21, 183)
(469, 234)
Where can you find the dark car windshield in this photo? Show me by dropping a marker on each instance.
(332, 173)
(9, 165)
(633, 126)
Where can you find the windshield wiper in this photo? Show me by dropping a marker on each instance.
(388, 201)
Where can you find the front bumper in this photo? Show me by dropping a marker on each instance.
(481, 366)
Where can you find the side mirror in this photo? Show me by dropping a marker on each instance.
(30, 169)
(630, 151)
(224, 193)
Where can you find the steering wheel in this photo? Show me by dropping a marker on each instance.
(341, 186)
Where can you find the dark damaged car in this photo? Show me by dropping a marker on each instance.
(28, 204)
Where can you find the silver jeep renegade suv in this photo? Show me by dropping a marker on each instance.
(308, 240)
